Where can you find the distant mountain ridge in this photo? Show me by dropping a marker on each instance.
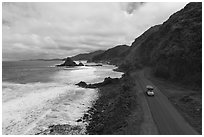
(55, 59)
(87, 56)
(113, 55)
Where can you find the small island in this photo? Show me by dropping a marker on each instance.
(69, 62)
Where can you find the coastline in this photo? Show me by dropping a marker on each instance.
(62, 76)
(115, 111)
(56, 98)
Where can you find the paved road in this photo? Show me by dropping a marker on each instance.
(167, 119)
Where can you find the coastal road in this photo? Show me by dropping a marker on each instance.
(166, 118)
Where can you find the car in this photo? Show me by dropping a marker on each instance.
(150, 91)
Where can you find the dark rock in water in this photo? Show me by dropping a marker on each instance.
(98, 65)
(86, 116)
(79, 120)
(68, 62)
(93, 85)
(82, 84)
(80, 64)
(106, 81)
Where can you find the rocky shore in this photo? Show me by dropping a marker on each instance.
(64, 129)
(111, 113)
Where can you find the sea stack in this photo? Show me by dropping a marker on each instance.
(80, 64)
(68, 62)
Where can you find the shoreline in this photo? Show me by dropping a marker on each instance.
(116, 111)
(80, 127)
(110, 114)
(54, 117)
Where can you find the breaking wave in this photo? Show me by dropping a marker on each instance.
(31, 107)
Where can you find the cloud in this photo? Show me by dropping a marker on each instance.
(57, 30)
(130, 7)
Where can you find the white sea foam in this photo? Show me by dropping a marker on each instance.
(86, 74)
(31, 107)
(44, 104)
(70, 75)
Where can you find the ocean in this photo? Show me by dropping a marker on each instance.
(36, 94)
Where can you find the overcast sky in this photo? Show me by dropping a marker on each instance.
(57, 30)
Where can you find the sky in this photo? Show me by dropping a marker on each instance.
(57, 30)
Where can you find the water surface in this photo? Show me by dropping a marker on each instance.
(35, 94)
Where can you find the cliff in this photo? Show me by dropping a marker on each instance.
(173, 49)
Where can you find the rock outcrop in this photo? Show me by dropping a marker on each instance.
(82, 84)
(80, 64)
(111, 112)
(106, 81)
(68, 62)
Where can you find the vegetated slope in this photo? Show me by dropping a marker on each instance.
(113, 55)
(173, 49)
(133, 56)
(87, 56)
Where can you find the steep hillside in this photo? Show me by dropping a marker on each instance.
(87, 56)
(173, 49)
(113, 55)
(133, 55)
